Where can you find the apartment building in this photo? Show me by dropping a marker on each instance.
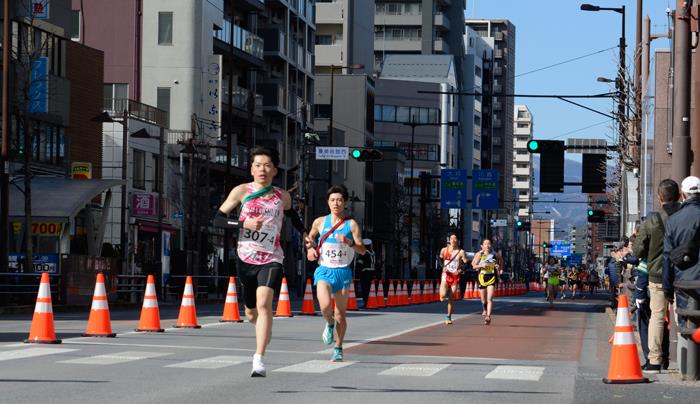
(522, 160)
(501, 156)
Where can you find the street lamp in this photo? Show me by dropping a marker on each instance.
(143, 134)
(413, 125)
(330, 120)
(104, 117)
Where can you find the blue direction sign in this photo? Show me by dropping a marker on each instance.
(575, 259)
(485, 189)
(560, 248)
(453, 189)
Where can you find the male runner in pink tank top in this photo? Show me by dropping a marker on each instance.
(259, 249)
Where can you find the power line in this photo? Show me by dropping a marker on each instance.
(566, 61)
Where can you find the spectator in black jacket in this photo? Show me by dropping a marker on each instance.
(680, 230)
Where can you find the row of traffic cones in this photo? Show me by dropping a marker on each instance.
(99, 324)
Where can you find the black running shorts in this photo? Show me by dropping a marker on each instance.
(252, 276)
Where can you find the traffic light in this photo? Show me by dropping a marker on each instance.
(361, 154)
(593, 173)
(521, 225)
(545, 244)
(596, 216)
(551, 163)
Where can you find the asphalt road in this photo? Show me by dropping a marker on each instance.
(531, 353)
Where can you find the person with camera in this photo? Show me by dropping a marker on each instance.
(680, 256)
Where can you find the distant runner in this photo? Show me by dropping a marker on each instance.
(453, 257)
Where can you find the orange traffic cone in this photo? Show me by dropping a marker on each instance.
(458, 294)
(98, 322)
(231, 311)
(436, 292)
(624, 360)
(43, 331)
(381, 303)
(188, 313)
(284, 308)
(372, 298)
(352, 298)
(150, 314)
(405, 298)
(696, 336)
(307, 307)
(391, 300)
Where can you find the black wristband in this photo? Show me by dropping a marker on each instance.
(222, 220)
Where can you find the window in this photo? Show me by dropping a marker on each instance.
(477, 120)
(434, 115)
(477, 70)
(403, 114)
(324, 39)
(322, 111)
(523, 125)
(74, 27)
(388, 113)
(163, 100)
(139, 174)
(423, 115)
(165, 28)
(115, 96)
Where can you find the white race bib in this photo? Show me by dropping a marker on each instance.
(336, 255)
(453, 266)
(263, 240)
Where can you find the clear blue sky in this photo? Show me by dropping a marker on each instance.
(552, 31)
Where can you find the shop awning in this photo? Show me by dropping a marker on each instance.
(57, 199)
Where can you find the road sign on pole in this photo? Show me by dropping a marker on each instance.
(331, 153)
(453, 189)
(485, 189)
(560, 248)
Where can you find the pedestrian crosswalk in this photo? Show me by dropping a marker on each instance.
(315, 366)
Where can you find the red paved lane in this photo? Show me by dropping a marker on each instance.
(516, 332)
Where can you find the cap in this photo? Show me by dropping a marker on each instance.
(366, 241)
(691, 185)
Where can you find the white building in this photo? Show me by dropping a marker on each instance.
(522, 159)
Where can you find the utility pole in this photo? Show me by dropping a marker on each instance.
(637, 128)
(4, 155)
(680, 149)
(695, 120)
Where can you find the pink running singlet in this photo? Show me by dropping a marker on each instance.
(262, 246)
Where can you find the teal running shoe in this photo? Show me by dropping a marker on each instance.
(337, 354)
(328, 334)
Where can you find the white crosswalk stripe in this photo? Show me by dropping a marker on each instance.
(314, 366)
(113, 359)
(528, 373)
(32, 352)
(414, 369)
(215, 362)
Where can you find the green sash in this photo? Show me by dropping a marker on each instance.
(257, 194)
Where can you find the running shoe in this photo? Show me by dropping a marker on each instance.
(327, 335)
(337, 354)
(448, 320)
(258, 367)
(487, 320)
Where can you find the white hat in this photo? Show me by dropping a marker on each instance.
(691, 185)
(366, 241)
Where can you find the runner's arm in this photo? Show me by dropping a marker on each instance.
(359, 247)
(476, 260)
(221, 218)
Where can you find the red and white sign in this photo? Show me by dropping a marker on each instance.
(143, 204)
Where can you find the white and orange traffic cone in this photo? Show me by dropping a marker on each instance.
(43, 331)
(391, 299)
(381, 303)
(99, 324)
(307, 307)
(624, 360)
(352, 298)
(231, 310)
(372, 298)
(150, 314)
(188, 313)
(284, 307)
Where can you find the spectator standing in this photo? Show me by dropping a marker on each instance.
(649, 247)
(681, 231)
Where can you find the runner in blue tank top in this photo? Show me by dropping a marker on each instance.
(339, 238)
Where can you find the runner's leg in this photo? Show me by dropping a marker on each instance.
(489, 300)
(341, 324)
(482, 293)
(451, 300)
(323, 293)
(444, 289)
(263, 325)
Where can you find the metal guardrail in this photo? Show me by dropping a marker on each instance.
(691, 370)
(205, 286)
(18, 288)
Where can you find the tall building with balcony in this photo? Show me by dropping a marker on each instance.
(501, 158)
(522, 160)
(345, 97)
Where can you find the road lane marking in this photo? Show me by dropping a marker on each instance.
(113, 359)
(505, 372)
(314, 366)
(32, 352)
(215, 362)
(415, 369)
(193, 347)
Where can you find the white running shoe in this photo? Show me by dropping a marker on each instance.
(258, 367)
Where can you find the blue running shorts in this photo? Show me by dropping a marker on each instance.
(338, 278)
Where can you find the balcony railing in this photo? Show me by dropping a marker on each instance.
(145, 112)
(248, 42)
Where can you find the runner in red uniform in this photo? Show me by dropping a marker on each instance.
(453, 257)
